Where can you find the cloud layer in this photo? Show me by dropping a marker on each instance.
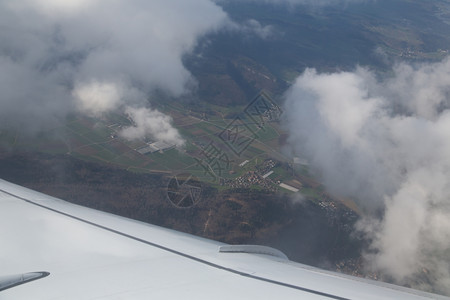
(387, 144)
(95, 56)
(298, 2)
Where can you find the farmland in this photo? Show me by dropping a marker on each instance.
(217, 141)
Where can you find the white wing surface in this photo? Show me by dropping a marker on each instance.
(51, 249)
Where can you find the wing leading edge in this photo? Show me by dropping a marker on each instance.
(92, 254)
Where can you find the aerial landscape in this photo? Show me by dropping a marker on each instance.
(319, 128)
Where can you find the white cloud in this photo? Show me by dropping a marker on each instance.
(90, 54)
(151, 123)
(422, 91)
(386, 143)
(100, 55)
(98, 97)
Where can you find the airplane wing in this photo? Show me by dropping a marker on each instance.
(51, 249)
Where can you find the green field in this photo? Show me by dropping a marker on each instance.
(206, 154)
